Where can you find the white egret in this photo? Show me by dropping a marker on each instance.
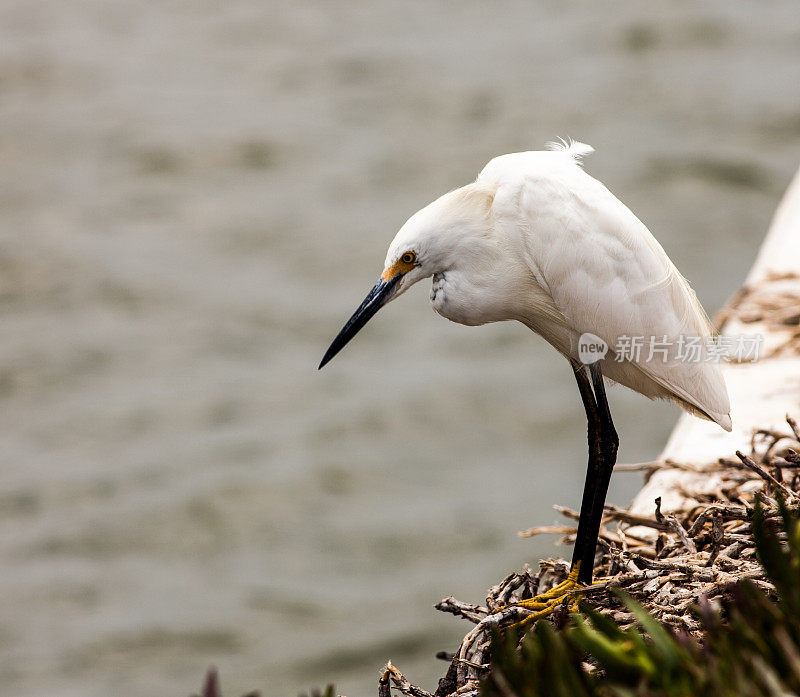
(536, 239)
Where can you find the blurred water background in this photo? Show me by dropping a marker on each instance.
(196, 195)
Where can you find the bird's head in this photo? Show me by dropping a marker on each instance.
(432, 241)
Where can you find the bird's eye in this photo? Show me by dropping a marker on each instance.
(408, 258)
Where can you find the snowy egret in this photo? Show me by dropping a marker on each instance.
(536, 239)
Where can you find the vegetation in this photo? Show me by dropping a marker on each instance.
(748, 644)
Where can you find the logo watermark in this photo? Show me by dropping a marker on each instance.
(591, 348)
(738, 348)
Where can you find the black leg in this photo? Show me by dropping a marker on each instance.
(593, 421)
(603, 442)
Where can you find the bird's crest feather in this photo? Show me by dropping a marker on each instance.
(574, 148)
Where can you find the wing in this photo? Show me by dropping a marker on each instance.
(609, 276)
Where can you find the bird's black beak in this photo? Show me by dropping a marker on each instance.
(376, 299)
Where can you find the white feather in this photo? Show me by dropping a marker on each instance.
(536, 239)
(575, 149)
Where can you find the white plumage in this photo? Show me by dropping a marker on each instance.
(536, 239)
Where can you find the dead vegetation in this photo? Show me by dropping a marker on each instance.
(668, 563)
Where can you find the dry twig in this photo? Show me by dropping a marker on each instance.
(699, 552)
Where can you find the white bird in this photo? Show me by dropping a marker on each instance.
(536, 239)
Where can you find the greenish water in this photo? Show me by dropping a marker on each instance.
(196, 196)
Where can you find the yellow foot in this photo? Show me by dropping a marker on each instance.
(545, 603)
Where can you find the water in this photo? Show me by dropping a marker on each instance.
(196, 196)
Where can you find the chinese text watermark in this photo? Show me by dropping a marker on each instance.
(738, 348)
